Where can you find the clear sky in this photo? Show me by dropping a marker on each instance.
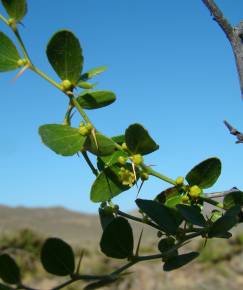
(172, 70)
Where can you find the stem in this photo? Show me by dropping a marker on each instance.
(79, 109)
(4, 19)
(22, 46)
(90, 164)
(67, 119)
(160, 176)
(213, 202)
(137, 219)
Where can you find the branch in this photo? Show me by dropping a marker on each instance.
(223, 193)
(234, 132)
(234, 35)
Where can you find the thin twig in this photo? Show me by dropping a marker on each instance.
(234, 132)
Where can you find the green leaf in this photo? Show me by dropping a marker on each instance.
(93, 72)
(57, 257)
(225, 223)
(119, 139)
(139, 141)
(85, 85)
(117, 239)
(205, 174)
(107, 185)
(232, 199)
(163, 216)
(192, 214)
(173, 201)
(15, 8)
(100, 146)
(96, 100)
(216, 214)
(179, 261)
(9, 55)
(65, 55)
(107, 161)
(62, 139)
(105, 217)
(9, 270)
(167, 194)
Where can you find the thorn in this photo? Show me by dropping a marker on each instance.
(95, 139)
(21, 72)
(134, 172)
(139, 242)
(140, 187)
(79, 262)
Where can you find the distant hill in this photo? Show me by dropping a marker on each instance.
(71, 226)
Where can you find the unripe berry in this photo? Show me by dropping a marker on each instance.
(22, 62)
(185, 199)
(124, 146)
(179, 180)
(122, 160)
(144, 175)
(89, 126)
(137, 159)
(66, 85)
(195, 191)
(83, 131)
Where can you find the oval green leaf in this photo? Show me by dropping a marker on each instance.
(16, 9)
(179, 261)
(105, 217)
(205, 174)
(65, 55)
(192, 214)
(163, 216)
(107, 185)
(62, 139)
(9, 55)
(117, 239)
(100, 145)
(139, 141)
(9, 270)
(92, 73)
(225, 223)
(57, 257)
(96, 100)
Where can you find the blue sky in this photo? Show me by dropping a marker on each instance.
(172, 70)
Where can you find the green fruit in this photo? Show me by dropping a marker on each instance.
(137, 159)
(144, 175)
(22, 62)
(124, 146)
(179, 180)
(66, 85)
(195, 191)
(83, 131)
(122, 160)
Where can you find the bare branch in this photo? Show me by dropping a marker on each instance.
(219, 17)
(234, 35)
(234, 132)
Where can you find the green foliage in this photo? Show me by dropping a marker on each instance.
(192, 214)
(16, 9)
(117, 239)
(65, 55)
(107, 185)
(176, 213)
(9, 55)
(62, 139)
(95, 100)
(139, 141)
(99, 144)
(165, 217)
(57, 257)
(225, 223)
(205, 174)
(92, 73)
(179, 261)
(9, 270)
